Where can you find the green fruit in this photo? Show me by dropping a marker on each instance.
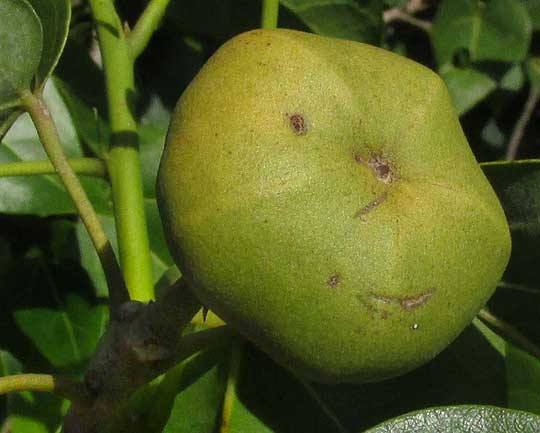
(320, 196)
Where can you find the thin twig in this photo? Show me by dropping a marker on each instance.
(82, 166)
(146, 25)
(399, 14)
(65, 387)
(520, 288)
(510, 332)
(50, 140)
(521, 124)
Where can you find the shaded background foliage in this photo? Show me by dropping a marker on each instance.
(52, 304)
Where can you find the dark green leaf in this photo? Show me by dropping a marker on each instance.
(488, 30)
(92, 129)
(469, 371)
(30, 412)
(270, 399)
(67, 331)
(8, 364)
(347, 19)
(20, 51)
(54, 16)
(152, 142)
(462, 419)
(44, 195)
(517, 185)
(161, 259)
(394, 3)
(523, 378)
(533, 6)
(88, 256)
(467, 87)
(198, 386)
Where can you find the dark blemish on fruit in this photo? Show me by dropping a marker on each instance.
(334, 280)
(298, 124)
(407, 303)
(381, 167)
(372, 205)
(268, 44)
(416, 301)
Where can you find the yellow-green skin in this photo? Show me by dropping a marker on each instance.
(322, 199)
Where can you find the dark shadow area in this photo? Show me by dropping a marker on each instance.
(469, 371)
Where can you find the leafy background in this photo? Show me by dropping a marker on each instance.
(52, 308)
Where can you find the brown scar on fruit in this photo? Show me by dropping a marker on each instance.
(407, 303)
(380, 166)
(298, 123)
(415, 301)
(372, 205)
(334, 280)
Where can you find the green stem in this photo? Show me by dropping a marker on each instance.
(124, 162)
(67, 388)
(51, 143)
(26, 382)
(270, 13)
(83, 166)
(146, 25)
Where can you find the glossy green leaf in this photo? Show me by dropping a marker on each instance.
(467, 87)
(44, 195)
(462, 419)
(488, 30)
(347, 19)
(20, 52)
(67, 330)
(54, 16)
